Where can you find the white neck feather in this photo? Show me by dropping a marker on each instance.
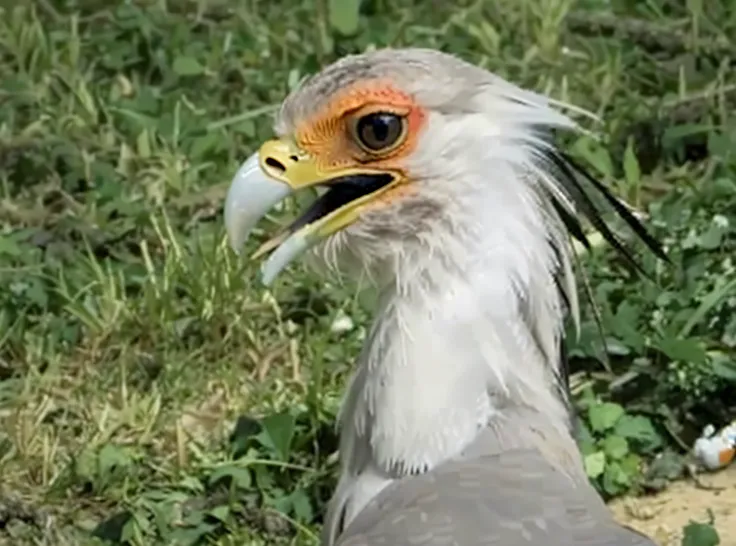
(467, 335)
(468, 327)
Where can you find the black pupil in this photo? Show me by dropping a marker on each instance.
(379, 130)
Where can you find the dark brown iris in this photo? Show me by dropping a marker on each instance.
(379, 131)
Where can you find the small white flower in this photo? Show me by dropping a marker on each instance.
(721, 221)
(342, 323)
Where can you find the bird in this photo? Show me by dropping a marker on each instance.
(442, 185)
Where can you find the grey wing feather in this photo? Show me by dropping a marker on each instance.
(513, 498)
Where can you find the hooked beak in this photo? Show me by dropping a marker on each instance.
(279, 169)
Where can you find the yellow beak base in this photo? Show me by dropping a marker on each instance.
(278, 169)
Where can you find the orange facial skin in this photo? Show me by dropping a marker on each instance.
(327, 136)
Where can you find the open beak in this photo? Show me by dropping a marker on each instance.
(279, 169)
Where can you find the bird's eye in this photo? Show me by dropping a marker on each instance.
(380, 131)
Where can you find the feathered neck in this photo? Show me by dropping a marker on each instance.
(469, 329)
(465, 345)
(464, 353)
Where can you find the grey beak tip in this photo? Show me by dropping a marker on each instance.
(236, 245)
(266, 280)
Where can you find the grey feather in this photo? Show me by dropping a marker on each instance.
(509, 498)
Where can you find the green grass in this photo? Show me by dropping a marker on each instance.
(152, 392)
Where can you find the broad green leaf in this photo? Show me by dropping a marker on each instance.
(240, 477)
(221, 512)
(586, 441)
(36, 293)
(187, 66)
(723, 365)
(85, 465)
(277, 434)
(615, 347)
(129, 530)
(625, 324)
(191, 535)
(112, 457)
(246, 428)
(720, 144)
(263, 478)
(631, 464)
(595, 463)
(604, 416)
(684, 350)
(638, 429)
(709, 302)
(302, 505)
(193, 518)
(595, 154)
(9, 247)
(203, 145)
(713, 237)
(163, 514)
(615, 447)
(700, 534)
(615, 479)
(344, 16)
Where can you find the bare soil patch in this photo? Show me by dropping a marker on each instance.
(663, 515)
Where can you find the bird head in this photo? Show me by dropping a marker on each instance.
(412, 151)
(403, 145)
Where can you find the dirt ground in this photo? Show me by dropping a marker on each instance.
(662, 516)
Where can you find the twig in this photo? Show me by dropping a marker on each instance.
(648, 35)
(676, 437)
(257, 518)
(693, 107)
(693, 474)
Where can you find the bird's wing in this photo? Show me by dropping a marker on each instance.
(511, 498)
